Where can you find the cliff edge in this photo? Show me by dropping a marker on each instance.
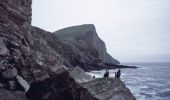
(85, 36)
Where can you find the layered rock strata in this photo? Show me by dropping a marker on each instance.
(85, 36)
(38, 65)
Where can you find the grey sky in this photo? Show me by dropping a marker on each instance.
(133, 30)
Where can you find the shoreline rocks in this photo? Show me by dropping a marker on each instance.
(108, 89)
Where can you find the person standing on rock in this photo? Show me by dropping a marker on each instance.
(106, 74)
(118, 73)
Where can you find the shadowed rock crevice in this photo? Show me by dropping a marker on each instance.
(58, 87)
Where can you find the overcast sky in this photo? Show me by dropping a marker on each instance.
(133, 30)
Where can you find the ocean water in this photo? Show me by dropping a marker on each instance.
(151, 81)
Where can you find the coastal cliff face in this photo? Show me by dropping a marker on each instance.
(38, 65)
(24, 62)
(70, 54)
(85, 36)
(15, 26)
(15, 23)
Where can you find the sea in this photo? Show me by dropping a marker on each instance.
(151, 81)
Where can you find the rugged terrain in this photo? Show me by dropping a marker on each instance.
(108, 89)
(85, 37)
(39, 65)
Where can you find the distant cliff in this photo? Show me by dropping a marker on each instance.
(85, 36)
(71, 52)
(38, 65)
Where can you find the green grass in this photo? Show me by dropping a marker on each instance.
(71, 32)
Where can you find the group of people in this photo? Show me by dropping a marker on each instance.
(117, 74)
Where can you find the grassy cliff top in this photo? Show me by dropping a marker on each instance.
(73, 31)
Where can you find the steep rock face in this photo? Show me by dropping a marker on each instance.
(86, 36)
(17, 54)
(50, 44)
(15, 37)
(50, 48)
(15, 24)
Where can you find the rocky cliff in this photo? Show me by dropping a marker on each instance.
(70, 53)
(85, 36)
(36, 64)
(25, 62)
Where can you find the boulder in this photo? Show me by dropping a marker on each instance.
(80, 75)
(10, 73)
(59, 86)
(108, 89)
(23, 83)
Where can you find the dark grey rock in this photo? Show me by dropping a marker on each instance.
(1, 85)
(79, 75)
(108, 89)
(11, 85)
(3, 49)
(39, 74)
(23, 83)
(10, 73)
(58, 87)
(12, 95)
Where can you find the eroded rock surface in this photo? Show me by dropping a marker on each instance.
(85, 36)
(12, 95)
(59, 86)
(79, 75)
(109, 89)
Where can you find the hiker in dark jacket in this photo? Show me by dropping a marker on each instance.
(118, 73)
(106, 74)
